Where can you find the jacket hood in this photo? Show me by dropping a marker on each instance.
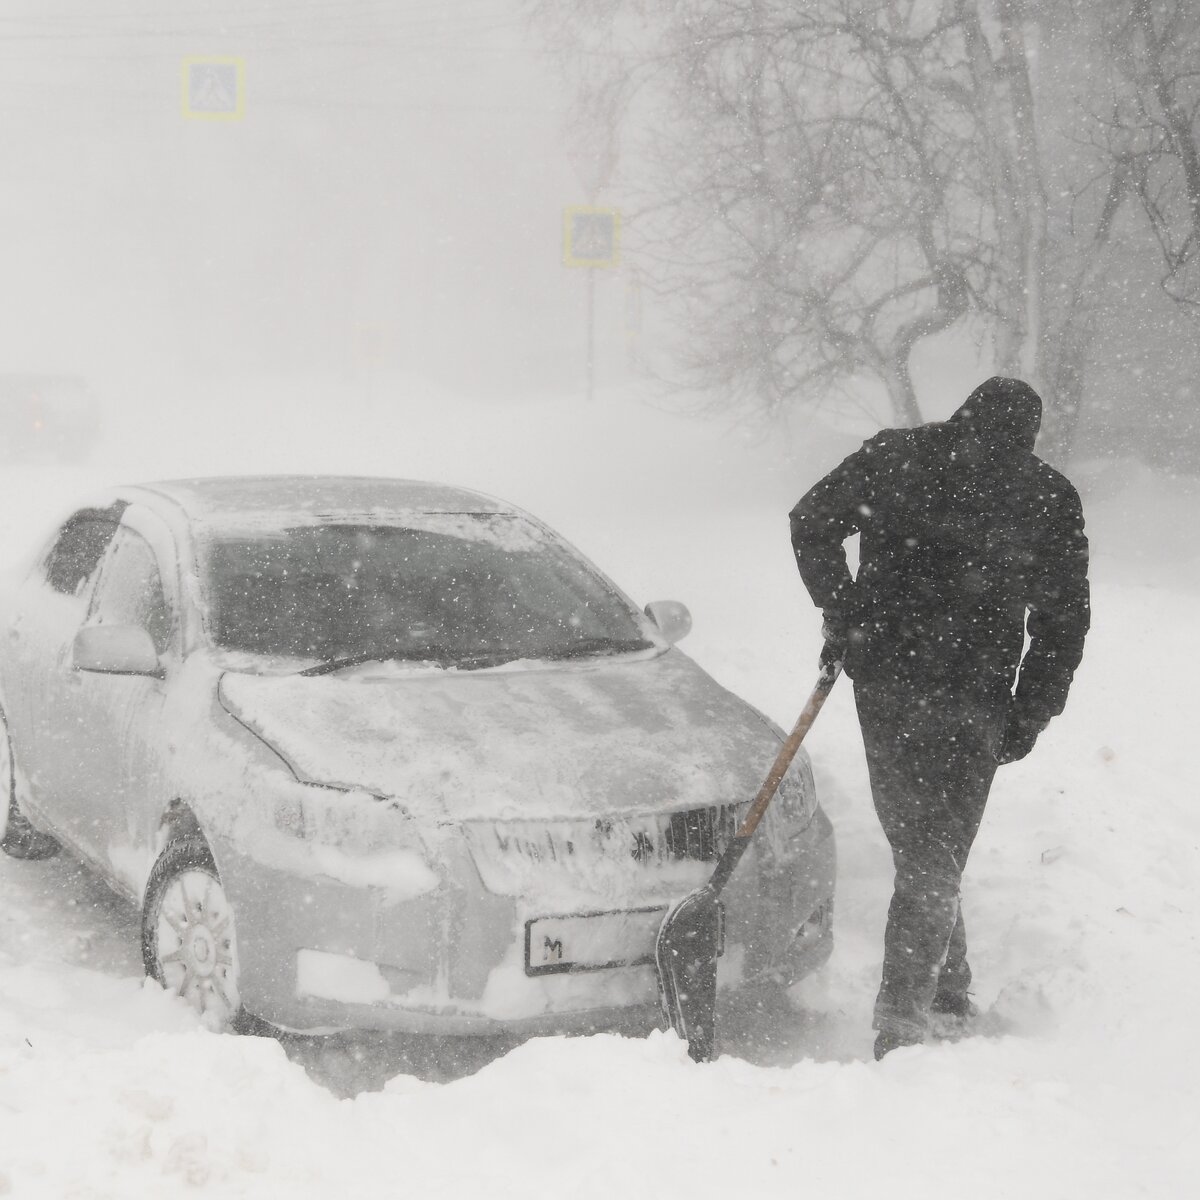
(1001, 411)
(559, 742)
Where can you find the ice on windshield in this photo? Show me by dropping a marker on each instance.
(445, 587)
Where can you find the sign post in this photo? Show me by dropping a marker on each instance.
(591, 239)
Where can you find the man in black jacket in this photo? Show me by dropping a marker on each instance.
(963, 532)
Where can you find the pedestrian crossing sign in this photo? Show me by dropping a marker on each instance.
(591, 237)
(213, 89)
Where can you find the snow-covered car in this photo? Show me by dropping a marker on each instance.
(382, 754)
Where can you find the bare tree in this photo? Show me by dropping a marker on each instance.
(813, 203)
(1153, 131)
(822, 187)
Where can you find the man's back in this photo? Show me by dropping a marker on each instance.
(962, 529)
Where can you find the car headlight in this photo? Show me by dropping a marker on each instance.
(350, 835)
(359, 821)
(795, 802)
(798, 792)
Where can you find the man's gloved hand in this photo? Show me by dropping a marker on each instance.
(1020, 733)
(836, 632)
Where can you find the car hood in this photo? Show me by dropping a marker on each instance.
(563, 740)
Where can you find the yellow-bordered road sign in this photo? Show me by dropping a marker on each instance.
(214, 88)
(591, 237)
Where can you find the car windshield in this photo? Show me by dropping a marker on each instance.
(455, 589)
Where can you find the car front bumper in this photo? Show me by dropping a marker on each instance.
(316, 954)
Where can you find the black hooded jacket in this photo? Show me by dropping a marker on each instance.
(963, 531)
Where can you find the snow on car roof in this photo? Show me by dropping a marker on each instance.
(282, 499)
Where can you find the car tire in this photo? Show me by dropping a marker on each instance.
(189, 943)
(18, 838)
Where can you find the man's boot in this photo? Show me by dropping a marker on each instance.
(888, 1040)
(952, 1017)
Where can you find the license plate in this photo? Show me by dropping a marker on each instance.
(591, 941)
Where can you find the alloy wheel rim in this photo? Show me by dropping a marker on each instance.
(197, 949)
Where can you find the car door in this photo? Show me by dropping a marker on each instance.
(113, 787)
(45, 613)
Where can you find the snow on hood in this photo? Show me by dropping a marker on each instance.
(1001, 410)
(554, 741)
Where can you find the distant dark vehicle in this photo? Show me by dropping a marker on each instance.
(47, 418)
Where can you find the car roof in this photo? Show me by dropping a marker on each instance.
(238, 499)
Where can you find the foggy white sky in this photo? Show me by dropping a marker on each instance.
(397, 181)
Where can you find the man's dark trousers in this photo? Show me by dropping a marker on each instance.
(930, 754)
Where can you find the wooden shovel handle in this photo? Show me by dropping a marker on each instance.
(808, 714)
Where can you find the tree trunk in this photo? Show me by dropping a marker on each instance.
(1002, 188)
(1068, 349)
(1002, 83)
(898, 380)
(1025, 156)
(1064, 391)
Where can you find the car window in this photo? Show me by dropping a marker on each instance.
(131, 590)
(78, 549)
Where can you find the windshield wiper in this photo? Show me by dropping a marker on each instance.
(437, 654)
(587, 647)
(441, 655)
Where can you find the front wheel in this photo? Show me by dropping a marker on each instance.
(189, 944)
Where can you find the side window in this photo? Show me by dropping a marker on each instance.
(131, 590)
(77, 552)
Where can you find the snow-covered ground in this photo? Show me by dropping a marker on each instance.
(1081, 897)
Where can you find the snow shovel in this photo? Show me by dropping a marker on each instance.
(691, 937)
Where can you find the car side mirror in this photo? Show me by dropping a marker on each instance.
(672, 618)
(116, 650)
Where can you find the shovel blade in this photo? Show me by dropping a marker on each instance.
(690, 941)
